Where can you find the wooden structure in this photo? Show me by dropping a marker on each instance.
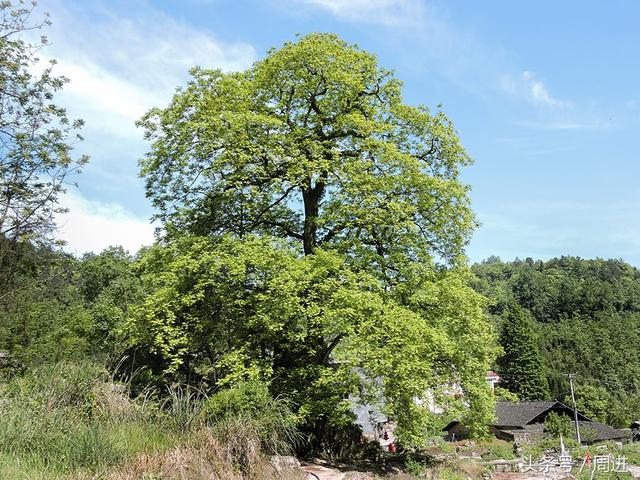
(523, 422)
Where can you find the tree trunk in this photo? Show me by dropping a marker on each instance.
(310, 227)
(311, 197)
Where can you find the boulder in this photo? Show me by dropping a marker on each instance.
(285, 462)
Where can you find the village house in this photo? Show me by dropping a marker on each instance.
(524, 422)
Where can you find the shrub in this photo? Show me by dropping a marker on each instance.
(250, 407)
(61, 385)
(558, 425)
(498, 450)
(414, 467)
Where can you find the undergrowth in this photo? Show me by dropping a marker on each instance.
(74, 421)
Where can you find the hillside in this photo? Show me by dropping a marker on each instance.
(587, 319)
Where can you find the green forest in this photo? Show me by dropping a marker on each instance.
(310, 256)
(580, 316)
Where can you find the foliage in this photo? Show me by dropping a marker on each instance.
(46, 320)
(36, 138)
(68, 308)
(498, 450)
(521, 365)
(252, 403)
(587, 317)
(109, 287)
(593, 402)
(231, 311)
(505, 395)
(313, 144)
(558, 425)
(414, 467)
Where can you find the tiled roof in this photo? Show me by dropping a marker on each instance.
(519, 414)
(598, 432)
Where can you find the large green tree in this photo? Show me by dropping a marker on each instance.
(315, 227)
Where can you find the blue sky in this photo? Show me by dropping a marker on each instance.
(544, 95)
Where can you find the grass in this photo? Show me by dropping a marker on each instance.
(72, 421)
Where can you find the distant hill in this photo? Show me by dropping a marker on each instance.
(587, 316)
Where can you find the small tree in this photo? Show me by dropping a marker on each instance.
(557, 425)
(521, 364)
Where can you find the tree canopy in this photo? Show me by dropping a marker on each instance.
(314, 144)
(237, 310)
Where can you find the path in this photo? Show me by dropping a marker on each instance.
(634, 470)
(316, 472)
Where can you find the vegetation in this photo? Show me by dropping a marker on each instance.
(559, 426)
(36, 138)
(586, 318)
(521, 366)
(72, 420)
(311, 257)
(314, 232)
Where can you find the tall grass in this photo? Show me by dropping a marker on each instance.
(250, 406)
(72, 420)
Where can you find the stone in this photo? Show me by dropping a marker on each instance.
(285, 462)
(358, 476)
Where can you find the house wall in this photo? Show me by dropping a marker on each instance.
(528, 434)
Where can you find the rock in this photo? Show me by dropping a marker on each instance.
(358, 476)
(284, 462)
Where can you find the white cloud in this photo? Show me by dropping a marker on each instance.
(105, 101)
(444, 47)
(538, 90)
(386, 12)
(92, 226)
(531, 88)
(121, 67)
(568, 124)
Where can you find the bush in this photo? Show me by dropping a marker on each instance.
(498, 450)
(414, 467)
(250, 406)
(58, 386)
(71, 421)
(558, 425)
